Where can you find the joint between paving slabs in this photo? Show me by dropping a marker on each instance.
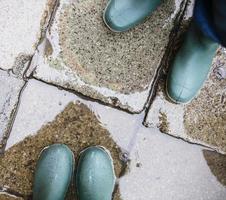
(182, 24)
(153, 84)
(178, 19)
(11, 122)
(27, 75)
(86, 98)
(28, 58)
(26, 78)
(166, 58)
(152, 94)
(10, 192)
(207, 147)
(3, 69)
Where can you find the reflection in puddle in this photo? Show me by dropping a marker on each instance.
(76, 127)
(217, 165)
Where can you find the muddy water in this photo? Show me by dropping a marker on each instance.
(217, 165)
(76, 127)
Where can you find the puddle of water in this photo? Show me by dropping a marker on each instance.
(150, 152)
(217, 165)
(76, 127)
(37, 109)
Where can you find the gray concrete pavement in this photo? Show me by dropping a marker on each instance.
(54, 90)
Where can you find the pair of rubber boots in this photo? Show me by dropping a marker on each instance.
(191, 64)
(94, 178)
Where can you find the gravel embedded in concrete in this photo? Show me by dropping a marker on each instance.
(202, 120)
(82, 54)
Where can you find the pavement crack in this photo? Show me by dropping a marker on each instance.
(28, 71)
(4, 70)
(11, 192)
(11, 122)
(167, 57)
(84, 97)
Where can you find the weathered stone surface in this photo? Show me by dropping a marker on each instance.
(21, 25)
(202, 120)
(165, 168)
(40, 103)
(5, 196)
(81, 54)
(76, 127)
(47, 115)
(10, 88)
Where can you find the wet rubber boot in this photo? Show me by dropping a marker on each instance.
(95, 179)
(53, 173)
(122, 15)
(191, 66)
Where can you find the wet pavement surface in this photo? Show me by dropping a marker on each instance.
(6, 196)
(10, 87)
(158, 167)
(21, 28)
(82, 54)
(76, 124)
(203, 119)
(217, 164)
(57, 88)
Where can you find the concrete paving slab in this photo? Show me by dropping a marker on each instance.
(48, 115)
(41, 103)
(201, 121)
(82, 54)
(10, 87)
(165, 168)
(21, 25)
(160, 167)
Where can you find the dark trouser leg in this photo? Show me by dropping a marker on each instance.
(192, 63)
(210, 17)
(219, 18)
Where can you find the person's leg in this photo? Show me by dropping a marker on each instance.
(203, 18)
(53, 173)
(122, 15)
(219, 19)
(210, 16)
(190, 66)
(192, 63)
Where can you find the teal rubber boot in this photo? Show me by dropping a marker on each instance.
(53, 173)
(95, 177)
(122, 15)
(190, 67)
